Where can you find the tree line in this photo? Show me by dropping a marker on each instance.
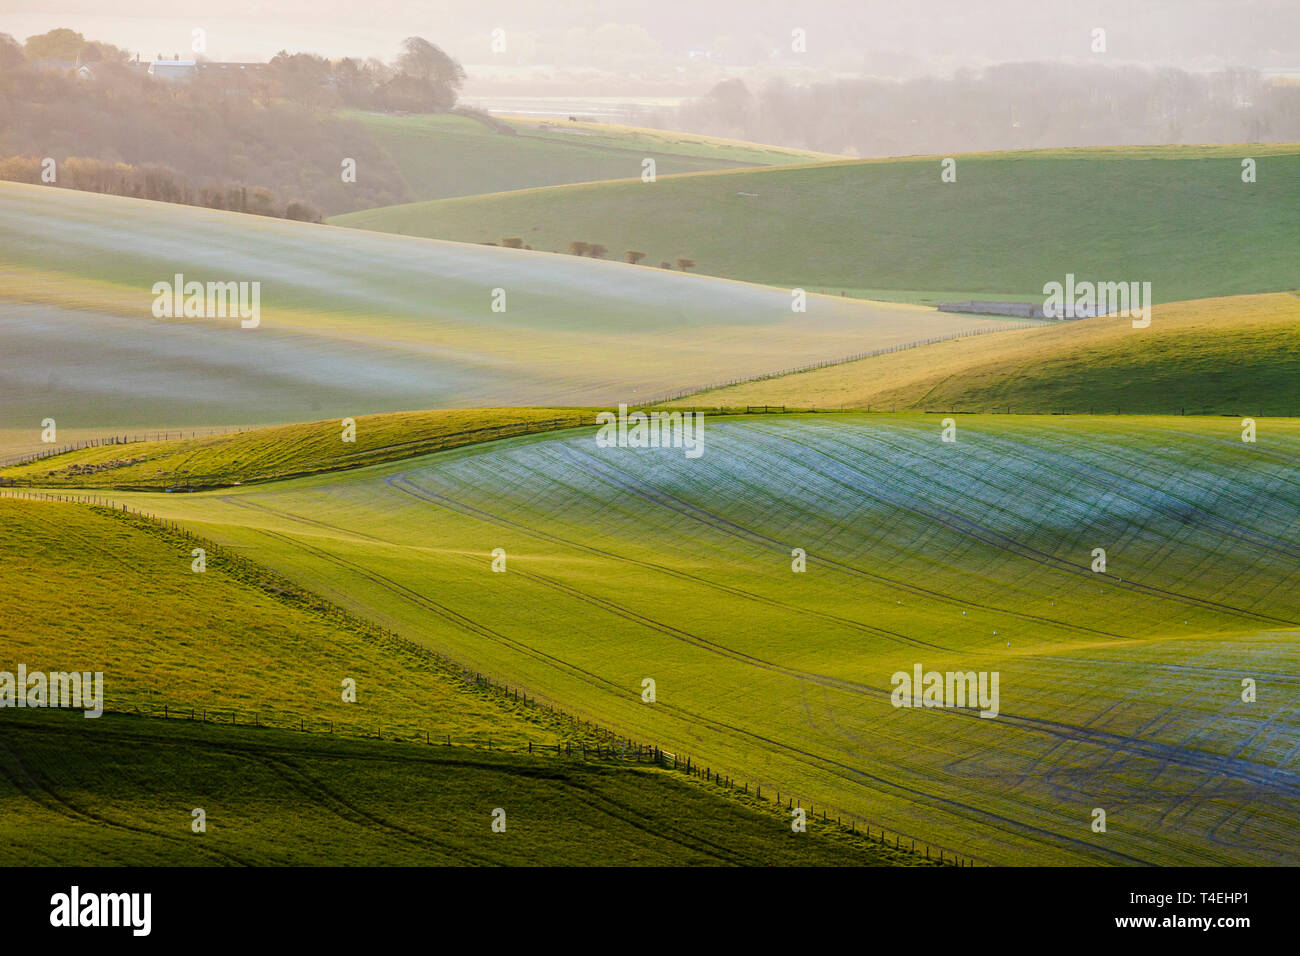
(151, 181)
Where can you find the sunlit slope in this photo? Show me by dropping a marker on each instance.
(283, 451)
(87, 590)
(354, 322)
(1179, 217)
(1232, 356)
(441, 155)
(1119, 690)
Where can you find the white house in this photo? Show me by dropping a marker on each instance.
(173, 69)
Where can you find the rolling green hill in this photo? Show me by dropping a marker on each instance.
(354, 323)
(1232, 356)
(1120, 690)
(92, 590)
(443, 154)
(1179, 217)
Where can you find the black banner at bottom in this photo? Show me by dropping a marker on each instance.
(302, 905)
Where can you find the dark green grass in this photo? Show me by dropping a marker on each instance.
(1178, 217)
(121, 790)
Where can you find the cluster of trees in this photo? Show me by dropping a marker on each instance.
(597, 251)
(271, 128)
(580, 247)
(1011, 106)
(423, 79)
(151, 181)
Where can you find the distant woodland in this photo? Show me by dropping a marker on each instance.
(1010, 106)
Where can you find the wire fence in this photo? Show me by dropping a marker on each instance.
(593, 741)
(126, 438)
(183, 482)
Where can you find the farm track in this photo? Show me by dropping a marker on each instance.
(33, 785)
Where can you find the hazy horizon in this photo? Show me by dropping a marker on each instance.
(690, 43)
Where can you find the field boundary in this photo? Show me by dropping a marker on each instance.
(827, 363)
(125, 438)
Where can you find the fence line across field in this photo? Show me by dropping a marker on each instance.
(813, 366)
(125, 438)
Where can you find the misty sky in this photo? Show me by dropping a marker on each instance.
(886, 37)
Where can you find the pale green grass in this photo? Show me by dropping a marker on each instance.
(442, 155)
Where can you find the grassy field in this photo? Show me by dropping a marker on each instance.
(91, 590)
(273, 797)
(1238, 356)
(1178, 217)
(441, 155)
(1119, 690)
(354, 323)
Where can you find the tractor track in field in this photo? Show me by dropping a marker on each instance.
(316, 792)
(965, 527)
(36, 787)
(467, 623)
(1143, 498)
(726, 526)
(404, 484)
(683, 836)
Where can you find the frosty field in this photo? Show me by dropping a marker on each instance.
(356, 322)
